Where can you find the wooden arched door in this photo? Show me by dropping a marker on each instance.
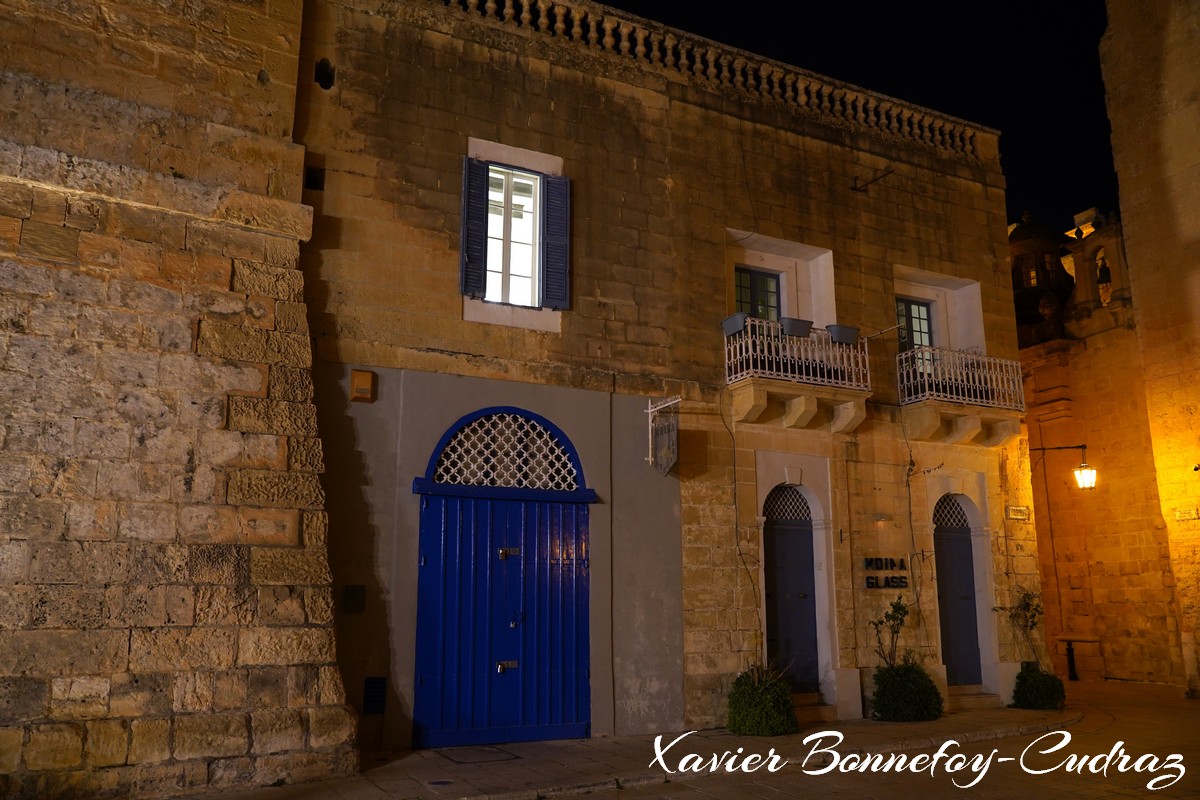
(790, 588)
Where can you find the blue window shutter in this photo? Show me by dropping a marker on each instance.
(556, 243)
(474, 227)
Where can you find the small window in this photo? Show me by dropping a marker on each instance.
(757, 293)
(912, 319)
(515, 247)
(1027, 269)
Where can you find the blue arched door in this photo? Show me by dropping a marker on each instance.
(502, 596)
(955, 568)
(790, 588)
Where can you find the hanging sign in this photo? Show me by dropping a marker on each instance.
(663, 434)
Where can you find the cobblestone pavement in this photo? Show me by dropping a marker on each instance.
(1000, 753)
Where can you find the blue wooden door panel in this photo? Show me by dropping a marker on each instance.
(956, 605)
(502, 633)
(791, 603)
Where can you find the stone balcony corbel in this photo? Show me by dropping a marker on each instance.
(959, 423)
(797, 405)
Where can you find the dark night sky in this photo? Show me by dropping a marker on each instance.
(1029, 69)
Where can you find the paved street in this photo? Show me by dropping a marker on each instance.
(1149, 729)
(1147, 719)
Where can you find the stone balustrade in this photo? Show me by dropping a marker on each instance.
(727, 70)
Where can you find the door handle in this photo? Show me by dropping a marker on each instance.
(504, 666)
(505, 552)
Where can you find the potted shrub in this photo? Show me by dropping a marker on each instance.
(904, 691)
(760, 704)
(1036, 687)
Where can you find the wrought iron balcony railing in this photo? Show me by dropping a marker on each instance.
(935, 373)
(762, 350)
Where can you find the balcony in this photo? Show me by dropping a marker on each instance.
(958, 397)
(815, 379)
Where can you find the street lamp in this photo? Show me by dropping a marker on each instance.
(1085, 475)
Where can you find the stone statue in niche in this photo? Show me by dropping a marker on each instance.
(1103, 277)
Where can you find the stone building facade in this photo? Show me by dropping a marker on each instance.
(185, 225)
(1151, 81)
(165, 602)
(691, 166)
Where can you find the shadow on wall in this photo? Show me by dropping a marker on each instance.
(362, 624)
(362, 612)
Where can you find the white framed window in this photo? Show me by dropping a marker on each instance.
(514, 206)
(953, 308)
(515, 236)
(802, 277)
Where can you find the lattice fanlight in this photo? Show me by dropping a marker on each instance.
(948, 513)
(508, 450)
(786, 502)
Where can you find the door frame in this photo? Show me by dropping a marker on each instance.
(971, 489)
(840, 686)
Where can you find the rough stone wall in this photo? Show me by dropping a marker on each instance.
(661, 167)
(1151, 78)
(1105, 558)
(165, 610)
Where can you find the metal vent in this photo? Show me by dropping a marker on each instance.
(786, 502)
(506, 450)
(374, 695)
(948, 513)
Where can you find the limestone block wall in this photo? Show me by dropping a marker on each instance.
(165, 609)
(1105, 553)
(662, 166)
(164, 591)
(1146, 59)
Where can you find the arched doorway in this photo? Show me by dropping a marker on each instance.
(955, 567)
(790, 588)
(502, 650)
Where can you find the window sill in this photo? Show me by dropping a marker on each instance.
(534, 319)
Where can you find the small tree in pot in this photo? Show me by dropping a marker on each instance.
(904, 691)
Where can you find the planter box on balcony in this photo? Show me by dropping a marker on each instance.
(843, 334)
(796, 327)
(734, 324)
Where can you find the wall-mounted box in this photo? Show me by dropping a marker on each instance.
(362, 385)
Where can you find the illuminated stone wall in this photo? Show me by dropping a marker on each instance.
(1149, 66)
(165, 608)
(1106, 565)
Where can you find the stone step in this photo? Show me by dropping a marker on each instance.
(969, 697)
(810, 707)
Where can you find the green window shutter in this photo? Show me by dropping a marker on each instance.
(556, 242)
(474, 227)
